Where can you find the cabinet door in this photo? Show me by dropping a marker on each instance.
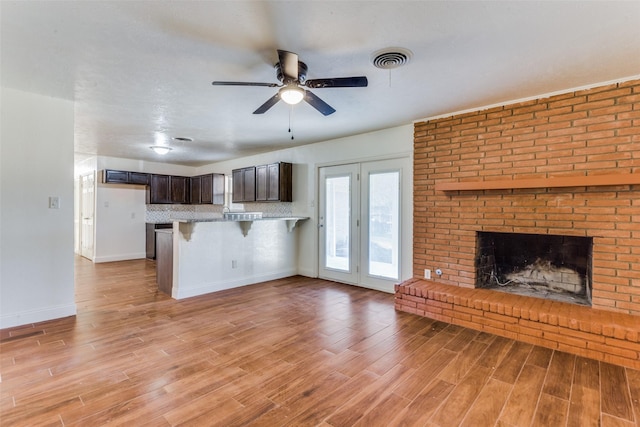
(249, 184)
(212, 189)
(138, 178)
(195, 190)
(179, 189)
(218, 189)
(115, 177)
(238, 185)
(285, 182)
(159, 189)
(273, 192)
(262, 183)
(244, 185)
(273, 182)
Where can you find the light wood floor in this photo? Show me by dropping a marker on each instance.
(296, 351)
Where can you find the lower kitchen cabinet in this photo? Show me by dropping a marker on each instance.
(151, 237)
(164, 260)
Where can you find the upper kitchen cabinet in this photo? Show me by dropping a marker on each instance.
(274, 182)
(124, 177)
(212, 189)
(165, 189)
(179, 189)
(172, 189)
(244, 185)
(207, 189)
(195, 190)
(159, 192)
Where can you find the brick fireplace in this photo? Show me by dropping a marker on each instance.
(567, 165)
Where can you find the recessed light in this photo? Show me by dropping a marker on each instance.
(182, 139)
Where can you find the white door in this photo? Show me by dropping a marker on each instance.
(360, 223)
(87, 203)
(381, 230)
(338, 223)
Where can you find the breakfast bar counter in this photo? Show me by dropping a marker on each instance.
(214, 254)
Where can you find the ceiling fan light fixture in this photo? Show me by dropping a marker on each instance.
(292, 95)
(160, 149)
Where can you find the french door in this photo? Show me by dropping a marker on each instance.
(360, 223)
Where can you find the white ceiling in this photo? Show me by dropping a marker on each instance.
(141, 70)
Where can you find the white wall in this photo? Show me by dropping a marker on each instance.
(306, 159)
(120, 209)
(36, 249)
(212, 256)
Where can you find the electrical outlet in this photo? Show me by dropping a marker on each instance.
(427, 273)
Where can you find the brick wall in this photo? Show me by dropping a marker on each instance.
(589, 132)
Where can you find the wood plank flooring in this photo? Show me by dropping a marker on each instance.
(297, 351)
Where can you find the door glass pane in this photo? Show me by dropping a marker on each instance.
(384, 224)
(337, 231)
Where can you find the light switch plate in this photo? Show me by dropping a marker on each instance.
(54, 202)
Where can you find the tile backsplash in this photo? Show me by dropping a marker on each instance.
(167, 213)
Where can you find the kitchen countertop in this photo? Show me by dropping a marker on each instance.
(221, 219)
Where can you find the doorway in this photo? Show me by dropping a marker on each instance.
(87, 209)
(361, 223)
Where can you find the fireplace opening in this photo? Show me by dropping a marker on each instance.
(538, 265)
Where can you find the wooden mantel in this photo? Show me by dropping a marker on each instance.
(572, 181)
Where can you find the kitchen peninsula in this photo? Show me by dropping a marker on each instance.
(209, 255)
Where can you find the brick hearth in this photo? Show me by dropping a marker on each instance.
(597, 334)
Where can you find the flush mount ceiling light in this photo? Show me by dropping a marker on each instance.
(391, 57)
(291, 94)
(160, 149)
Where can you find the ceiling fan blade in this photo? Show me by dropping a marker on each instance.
(288, 65)
(244, 84)
(360, 81)
(270, 103)
(318, 103)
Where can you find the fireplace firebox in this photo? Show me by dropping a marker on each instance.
(538, 265)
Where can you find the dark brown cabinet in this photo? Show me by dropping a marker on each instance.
(179, 189)
(164, 261)
(172, 189)
(195, 190)
(159, 190)
(124, 177)
(212, 189)
(244, 185)
(151, 237)
(166, 189)
(207, 189)
(274, 182)
(138, 178)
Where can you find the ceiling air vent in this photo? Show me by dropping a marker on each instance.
(392, 57)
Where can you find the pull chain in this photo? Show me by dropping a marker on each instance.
(290, 114)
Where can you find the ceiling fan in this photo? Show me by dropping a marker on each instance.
(292, 75)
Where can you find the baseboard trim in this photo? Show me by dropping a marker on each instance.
(230, 284)
(35, 316)
(123, 257)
